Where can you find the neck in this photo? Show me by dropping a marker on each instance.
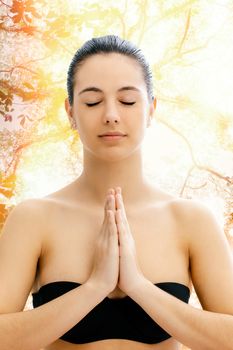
(99, 175)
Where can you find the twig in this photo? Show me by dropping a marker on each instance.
(185, 32)
(228, 179)
(5, 4)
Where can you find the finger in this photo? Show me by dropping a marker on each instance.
(112, 228)
(106, 219)
(112, 236)
(109, 226)
(112, 202)
(107, 229)
(111, 191)
(106, 207)
(124, 231)
(118, 189)
(109, 199)
(120, 225)
(112, 223)
(123, 236)
(117, 197)
(119, 201)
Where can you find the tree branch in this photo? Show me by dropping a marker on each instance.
(228, 179)
(185, 32)
(5, 4)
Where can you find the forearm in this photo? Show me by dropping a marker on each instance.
(197, 329)
(19, 331)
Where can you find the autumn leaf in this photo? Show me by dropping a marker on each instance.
(7, 118)
(17, 9)
(33, 11)
(3, 214)
(28, 17)
(28, 85)
(22, 121)
(29, 29)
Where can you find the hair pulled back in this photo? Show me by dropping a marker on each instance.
(103, 45)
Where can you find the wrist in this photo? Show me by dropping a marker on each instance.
(96, 288)
(138, 287)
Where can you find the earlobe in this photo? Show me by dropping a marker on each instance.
(73, 124)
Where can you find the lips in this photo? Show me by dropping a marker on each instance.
(113, 133)
(110, 138)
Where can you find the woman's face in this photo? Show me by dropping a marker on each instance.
(110, 95)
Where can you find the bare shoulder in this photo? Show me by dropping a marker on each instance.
(211, 260)
(187, 206)
(30, 209)
(195, 216)
(22, 238)
(30, 213)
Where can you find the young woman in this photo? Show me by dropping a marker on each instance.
(110, 258)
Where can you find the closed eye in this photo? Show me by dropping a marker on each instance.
(92, 104)
(123, 102)
(128, 103)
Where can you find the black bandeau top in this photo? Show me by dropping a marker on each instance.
(118, 318)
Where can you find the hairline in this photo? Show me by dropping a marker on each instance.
(79, 64)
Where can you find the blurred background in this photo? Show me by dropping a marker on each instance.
(188, 150)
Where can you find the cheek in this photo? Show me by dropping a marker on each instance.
(140, 118)
(88, 128)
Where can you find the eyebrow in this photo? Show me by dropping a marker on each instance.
(95, 89)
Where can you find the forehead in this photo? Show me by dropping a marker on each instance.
(111, 70)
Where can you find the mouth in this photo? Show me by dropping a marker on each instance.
(112, 137)
(112, 133)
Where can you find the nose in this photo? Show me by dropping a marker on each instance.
(111, 114)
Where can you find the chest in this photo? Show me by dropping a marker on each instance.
(70, 243)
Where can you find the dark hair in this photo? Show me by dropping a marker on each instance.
(108, 44)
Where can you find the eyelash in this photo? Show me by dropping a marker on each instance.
(124, 103)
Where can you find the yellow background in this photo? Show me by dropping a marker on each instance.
(189, 148)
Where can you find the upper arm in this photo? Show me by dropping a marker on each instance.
(20, 248)
(211, 260)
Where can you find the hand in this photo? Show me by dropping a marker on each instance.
(105, 270)
(130, 272)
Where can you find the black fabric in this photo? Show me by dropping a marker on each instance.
(119, 318)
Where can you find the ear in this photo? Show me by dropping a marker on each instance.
(151, 111)
(68, 108)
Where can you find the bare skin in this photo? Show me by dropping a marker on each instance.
(56, 238)
(68, 254)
